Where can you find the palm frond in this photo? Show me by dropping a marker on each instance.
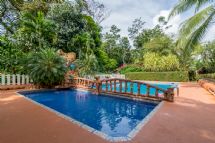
(185, 5)
(198, 34)
(192, 24)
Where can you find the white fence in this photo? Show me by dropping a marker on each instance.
(14, 79)
(104, 76)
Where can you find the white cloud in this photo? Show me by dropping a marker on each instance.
(123, 12)
(210, 35)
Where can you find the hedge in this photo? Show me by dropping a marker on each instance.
(179, 76)
(206, 76)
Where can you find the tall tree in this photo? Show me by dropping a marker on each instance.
(96, 9)
(136, 28)
(74, 28)
(35, 32)
(10, 11)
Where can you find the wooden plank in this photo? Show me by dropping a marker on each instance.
(27, 79)
(13, 79)
(18, 79)
(3, 79)
(8, 79)
(23, 79)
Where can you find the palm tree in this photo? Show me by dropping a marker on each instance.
(193, 29)
(39, 32)
(46, 68)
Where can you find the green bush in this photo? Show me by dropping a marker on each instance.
(207, 76)
(153, 62)
(130, 68)
(159, 76)
(46, 68)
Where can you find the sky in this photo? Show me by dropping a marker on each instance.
(123, 12)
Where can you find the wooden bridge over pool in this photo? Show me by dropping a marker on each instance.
(127, 88)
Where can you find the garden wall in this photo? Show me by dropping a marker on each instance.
(159, 76)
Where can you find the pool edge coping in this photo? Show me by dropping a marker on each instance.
(129, 137)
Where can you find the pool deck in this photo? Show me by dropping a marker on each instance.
(190, 119)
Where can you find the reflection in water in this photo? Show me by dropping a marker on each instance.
(113, 116)
(81, 96)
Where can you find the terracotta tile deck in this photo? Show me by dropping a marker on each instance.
(190, 119)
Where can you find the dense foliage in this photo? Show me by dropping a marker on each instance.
(32, 27)
(131, 68)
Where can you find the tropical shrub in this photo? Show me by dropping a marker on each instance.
(154, 62)
(87, 64)
(10, 56)
(46, 68)
(106, 64)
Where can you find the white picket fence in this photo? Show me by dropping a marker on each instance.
(14, 79)
(104, 76)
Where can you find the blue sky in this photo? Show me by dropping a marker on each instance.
(123, 12)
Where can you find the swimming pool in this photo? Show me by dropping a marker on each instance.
(112, 118)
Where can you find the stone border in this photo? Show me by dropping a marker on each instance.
(129, 137)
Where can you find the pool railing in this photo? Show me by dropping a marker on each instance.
(125, 87)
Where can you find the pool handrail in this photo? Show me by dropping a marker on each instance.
(96, 85)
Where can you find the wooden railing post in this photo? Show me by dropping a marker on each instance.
(156, 92)
(131, 88)
(98, 85)
(111, 86)
(126, 86)
(147, 90)
(138, 86)
(106, 82)
(114, 85)
(169, 95)
(120, 86)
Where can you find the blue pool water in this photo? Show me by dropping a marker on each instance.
(113, 116)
